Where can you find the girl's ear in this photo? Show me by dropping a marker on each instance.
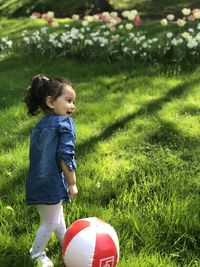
(50, 101)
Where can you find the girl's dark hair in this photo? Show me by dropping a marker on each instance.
(39, 88)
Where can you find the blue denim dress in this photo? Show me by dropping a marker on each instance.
(52, 139)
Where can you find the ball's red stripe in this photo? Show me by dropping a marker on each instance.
(72, 231)
(105, 248)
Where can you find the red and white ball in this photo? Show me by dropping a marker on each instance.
(90, 242)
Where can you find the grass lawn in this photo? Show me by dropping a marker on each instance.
(137, 152)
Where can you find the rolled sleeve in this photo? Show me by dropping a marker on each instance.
(66, 144)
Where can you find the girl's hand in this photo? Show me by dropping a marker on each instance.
(73, 191)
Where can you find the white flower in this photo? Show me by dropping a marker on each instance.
(88, 42)
(89, 18)
(24, 32)
(180, 22)
(196, 13)
(9, 43)
(121, 27)
(145, 45)
(155, 40)
(191, 30)
(50, 14)
(98, 184)
(95, 18)
(198, 26)
(186, 11)
(197, 37)
(130, 14)
(131, 35)
(137, 40)
(59, 45)
(54, 24)
(174, 42)
(185, 35)
(75, 17)
(106, 14)
(81, 36)
(43, 29)
(169, 35)
(114, 14)
(180, 41)
(192, 43)
(129, 26)
(106, 33)
(170, 17)
(125, 49)
(85, 23)
(64, 37)
(26, 40)
(164, 22)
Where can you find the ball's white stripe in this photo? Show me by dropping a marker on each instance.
(80, 250)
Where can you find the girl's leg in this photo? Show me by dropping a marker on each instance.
(61, 228)
(50, 218)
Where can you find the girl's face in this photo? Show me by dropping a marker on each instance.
(65, 103)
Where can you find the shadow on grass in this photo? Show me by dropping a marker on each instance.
(149, 108)
(190, 110)
(17, 71)
(109, 131)
(14, 257)
(168, 136)
(157, 9)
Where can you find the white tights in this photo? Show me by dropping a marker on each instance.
(52, 219)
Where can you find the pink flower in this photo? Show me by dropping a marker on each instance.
(101, 16)
(137, 21)
(118, 19)
(191, 18)
(35, 15)
(45, 16)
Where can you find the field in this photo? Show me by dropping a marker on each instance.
(137, 153)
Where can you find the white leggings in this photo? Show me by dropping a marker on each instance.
(52, 219)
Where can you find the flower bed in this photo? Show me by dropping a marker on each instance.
(110, 36)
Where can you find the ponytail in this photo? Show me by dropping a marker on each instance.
(39, 88)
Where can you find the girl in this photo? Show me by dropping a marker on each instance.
(51, 177)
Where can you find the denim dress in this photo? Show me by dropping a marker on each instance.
(52, 140)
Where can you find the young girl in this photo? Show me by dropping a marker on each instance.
(51, 177)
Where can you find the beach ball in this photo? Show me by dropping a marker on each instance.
(90, 242)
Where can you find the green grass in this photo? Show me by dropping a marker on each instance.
(137, 135)
(154, 7)
(137, 153)
(61, 8)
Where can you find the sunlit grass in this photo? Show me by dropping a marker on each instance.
(137, 153)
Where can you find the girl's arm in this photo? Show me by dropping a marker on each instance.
(71, 179)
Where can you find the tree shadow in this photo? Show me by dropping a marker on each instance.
(14, 257)
(190, 110)
(158, 9)
(149, 108)
(168, 136)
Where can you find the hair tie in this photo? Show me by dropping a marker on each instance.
(45, 78)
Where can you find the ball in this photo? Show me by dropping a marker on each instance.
(90, 242)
